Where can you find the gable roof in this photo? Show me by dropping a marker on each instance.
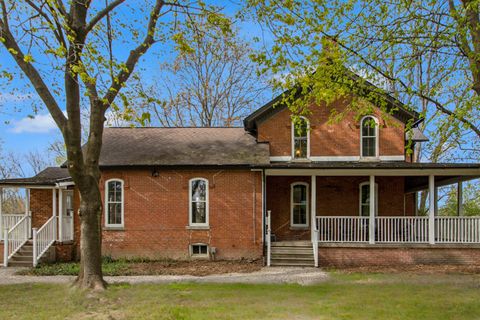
(48, 177)
(274, 106)
(181, 147)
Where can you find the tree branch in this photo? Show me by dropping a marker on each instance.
(133, 57)
(101, 14)
(33, 75)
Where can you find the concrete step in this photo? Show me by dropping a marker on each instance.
(293, 256)
(291, 263)
(20, 263)
(21, 258)
(292, 244)
(287, 250)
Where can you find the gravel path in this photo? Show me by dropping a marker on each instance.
(302, 276)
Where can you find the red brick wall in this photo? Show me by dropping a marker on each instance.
(156, 214)
(340, 138)
(384, 256)
(336, 196)
(41, 206)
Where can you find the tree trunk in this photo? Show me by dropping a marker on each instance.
(90, 275)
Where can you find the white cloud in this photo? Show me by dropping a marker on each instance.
(42, 123)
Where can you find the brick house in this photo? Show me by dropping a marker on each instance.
(290, 194)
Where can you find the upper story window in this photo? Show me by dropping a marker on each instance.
(114, 203)
(369, 137)
(299, 205)
(198, 190)
(301, 138)
(365, 199)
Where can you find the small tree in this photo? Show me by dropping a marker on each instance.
(75, 42)
(213, 84)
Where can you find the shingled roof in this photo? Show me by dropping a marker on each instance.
(48, 177)
(181, 147)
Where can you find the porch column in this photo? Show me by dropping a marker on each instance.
(460, 199)
(60, 215)
(313, 207)
(54, 202)
(1, 214)
(27, 212)
(431, 209)
(371, 220)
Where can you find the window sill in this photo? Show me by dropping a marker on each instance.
(301, 160)
(299, 228)
(197, 227)
(369, 159)
(114, 228)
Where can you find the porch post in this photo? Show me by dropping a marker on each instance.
(1, 214)
(431, 209)
(313, 207)
(460, 199)
(60, 214)
(371, 220)
(54, 202)
(27, 212)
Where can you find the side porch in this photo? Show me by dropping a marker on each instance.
(36, 221)
(330, 208)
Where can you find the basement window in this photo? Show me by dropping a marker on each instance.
(199, 250)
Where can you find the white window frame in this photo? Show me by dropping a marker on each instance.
(107, 202)
(199, 255)
(293, 140)
(377, 155)
(360, 198)
(190, 209)
(292, 186)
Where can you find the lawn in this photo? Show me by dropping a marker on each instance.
(344, 296)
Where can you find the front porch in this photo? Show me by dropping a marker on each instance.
(335, 211)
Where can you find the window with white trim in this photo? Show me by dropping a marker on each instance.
(300, 139)
(365, 199)
(198, 190)
(299, 204)
(114, 203)
(369, 137)
(199, 250)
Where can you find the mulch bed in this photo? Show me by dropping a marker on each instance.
(194, 267)
(414, 269)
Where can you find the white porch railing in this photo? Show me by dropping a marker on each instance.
(43, 238)
(457, 229)
(15, 237)
(67, 228)
(401, 229)
(342, 229)
(8, 221)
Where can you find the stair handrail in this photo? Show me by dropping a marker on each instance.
(44, 238)
(15, 238)
(315, 243)
(269, 237)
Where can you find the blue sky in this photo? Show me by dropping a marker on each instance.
(26, 125)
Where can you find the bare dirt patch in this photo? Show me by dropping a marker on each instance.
(194, 267)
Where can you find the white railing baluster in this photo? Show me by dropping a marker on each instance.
(44, 238)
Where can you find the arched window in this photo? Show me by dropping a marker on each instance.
(114, 203)
(365, 199)
(301, 139)
(369, 137)
(198, 213)
(299, 204)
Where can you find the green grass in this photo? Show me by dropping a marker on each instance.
(352, 296)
